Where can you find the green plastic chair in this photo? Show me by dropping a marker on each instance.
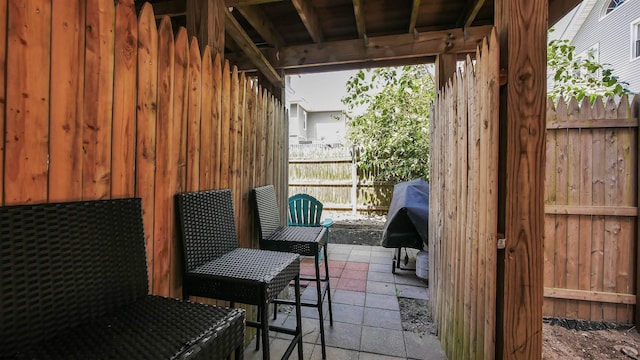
(305, 210)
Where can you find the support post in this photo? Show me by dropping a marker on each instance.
(445, 68)
(522, 30)
(205, 20)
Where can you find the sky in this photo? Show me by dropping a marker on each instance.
(320, 92)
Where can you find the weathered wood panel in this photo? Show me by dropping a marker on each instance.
(463, 208)
(3, 91)
(591, 211)
(67, 89)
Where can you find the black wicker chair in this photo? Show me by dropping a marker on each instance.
(216, 268)
(304, 240)
(74, 285)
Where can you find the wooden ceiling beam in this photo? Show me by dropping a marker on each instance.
(235, 3)
(243, 40)
(261, 23)
(467, 17)
(414, 16)
(169, 8)
(382, 48)
(358, 11)
(309, 19)
(559, 8)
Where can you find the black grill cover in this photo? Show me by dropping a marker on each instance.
(408, 219)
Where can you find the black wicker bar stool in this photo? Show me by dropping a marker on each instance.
(216, 268)
(304, 240)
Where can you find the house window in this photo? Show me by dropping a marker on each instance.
(612, 5)
(635, 39)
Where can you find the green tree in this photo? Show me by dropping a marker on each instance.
(393, 132)
(580, 76)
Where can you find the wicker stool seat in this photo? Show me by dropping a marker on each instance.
(216, 268)
(304, 240)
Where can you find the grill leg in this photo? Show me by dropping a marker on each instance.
(299, 316)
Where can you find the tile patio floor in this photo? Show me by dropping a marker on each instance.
(366, 314)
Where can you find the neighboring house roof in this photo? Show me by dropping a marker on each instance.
(577, 18)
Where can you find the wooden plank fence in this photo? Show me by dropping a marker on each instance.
(102, 103)
(463, 208)
(591, 210)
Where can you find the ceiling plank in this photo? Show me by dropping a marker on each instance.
(250, 50)
(261, 23)
(358, 11)
(467, 17)
(169, 8)
(559, 8)
(382, 48)
(235, 3)
(309, 19)
(414, 16)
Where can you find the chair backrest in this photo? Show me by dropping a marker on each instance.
(206, 225)
(63, 263)
(266, 205)
(304, 210)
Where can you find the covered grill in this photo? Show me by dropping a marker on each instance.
(408, 218)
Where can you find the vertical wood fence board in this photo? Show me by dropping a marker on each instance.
(27, 102)
(478, 178)
(597, 240)
(210, 77)
(235, 144)
(560, 307)
(3, 90)
(222, 167)
(468, 195)
(67, 89)
(147, 91)
(573, 198)
(635, 112)
(550, 220)
(585, 222)
(166, 172)
(194, 116)
(247, 158)
(124, 101)
(98, 110)
(179, 152)
(219, 102)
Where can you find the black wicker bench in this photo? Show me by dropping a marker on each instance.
(73, 285)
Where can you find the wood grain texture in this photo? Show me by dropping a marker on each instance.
(124, 101)
(208, 144)
(526, 24)
(97, 133)
(166, 159)
(67, 94)
(146, 115)
(194, 117)
(3, 90)
(26, 127)
(222, 168)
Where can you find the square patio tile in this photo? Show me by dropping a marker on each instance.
(334, 353)
(359, 258)
(352, 284)
(338, 257)
(354, 274)
(409, 279)
(381, 259)
(381, 276)
(423, 346)
(343, 335)
(360, 266)
(386, 267)
(370, 356)
(381, 318)
(336, 264)
(389, 302)
(383, 341)
(348, 297)
(378, 287)
(351, 314)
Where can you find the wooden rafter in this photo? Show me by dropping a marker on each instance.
(414, 15)
(358, 11)
(243, 40)
(234, 3)
(467, 17)
(382, 48)
(169, 8)
(309, 19)
(261, 23)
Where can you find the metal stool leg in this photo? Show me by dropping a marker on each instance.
(258, 317)
(264, 323)
(326, 271)
(319, 304)
(298, 316)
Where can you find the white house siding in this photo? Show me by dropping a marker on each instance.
(612, 33)
(323, 126)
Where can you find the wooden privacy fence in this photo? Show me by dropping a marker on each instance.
(102, 104)
(339, 185)
(463, 208)
(591, 210)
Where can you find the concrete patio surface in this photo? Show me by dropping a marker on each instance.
(366, 312)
